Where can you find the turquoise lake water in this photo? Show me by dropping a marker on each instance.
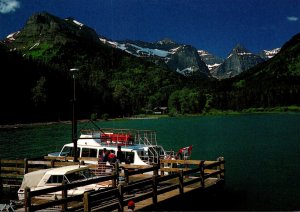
(262, 151)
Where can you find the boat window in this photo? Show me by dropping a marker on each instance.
(87, 152)
(55, 179)
(81, 175)
(129, 157)
(110, 150)
(68, 151)
(141, 154)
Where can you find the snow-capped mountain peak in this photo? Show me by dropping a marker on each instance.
(210, 60)
(178, 57)
(166, 41)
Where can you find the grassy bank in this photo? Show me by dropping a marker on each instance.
(214, 112)
(292, 108)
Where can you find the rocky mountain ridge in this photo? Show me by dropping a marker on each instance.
(182, 58)
(210, 60)
(238, 61)
(178, 57)
(43, 34)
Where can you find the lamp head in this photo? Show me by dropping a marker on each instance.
(74, 69)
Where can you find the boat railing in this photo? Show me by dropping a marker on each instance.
(146, 137)
(149, 159)
(124, 137)
(169, 154)
(103, 168)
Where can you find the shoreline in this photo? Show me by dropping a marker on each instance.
(279, 110)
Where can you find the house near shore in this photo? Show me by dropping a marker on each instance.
(160, 110)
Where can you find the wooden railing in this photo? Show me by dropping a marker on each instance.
(15, 169)
(118, 196)
(29, 195)
(205, 169)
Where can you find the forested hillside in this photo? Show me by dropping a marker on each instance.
(36, 83)
(109, 81)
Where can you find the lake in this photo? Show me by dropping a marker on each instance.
(262, 151)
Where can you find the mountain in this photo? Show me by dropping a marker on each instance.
(238, 61)
(109, 80)
(273, 83)
(211, 61)
(44, 33)
(122, 78)
(178, 57)
(268, 54)
(283, 67)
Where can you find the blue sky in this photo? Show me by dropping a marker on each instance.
(213, 25)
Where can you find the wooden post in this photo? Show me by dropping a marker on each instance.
(181, 182)
(52, 163)
(154, 190)
(25, 166)
(126, 176)
(202, 174)
(155, 171)
(64, 196)
(120, 198)
(221, 167)
(27, 198)
(86, 202)
(117, 168)
(162, 173)
(114, 180)
(1, 185)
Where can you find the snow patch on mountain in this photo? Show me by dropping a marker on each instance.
(173, 51)
(244, 53)
(203, 53)
(229, 56)
(211, 61)
(136, 50)
(35, 45)
(210, 67)
(11, 37)
(78, 23)
(271, 53)
(154, 52)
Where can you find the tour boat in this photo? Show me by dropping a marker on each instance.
(46, 178)
(138, 146)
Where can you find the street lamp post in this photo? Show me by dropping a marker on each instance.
(74, 116)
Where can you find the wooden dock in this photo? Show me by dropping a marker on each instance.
(146, 186)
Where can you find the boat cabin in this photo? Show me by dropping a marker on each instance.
(138, 147)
